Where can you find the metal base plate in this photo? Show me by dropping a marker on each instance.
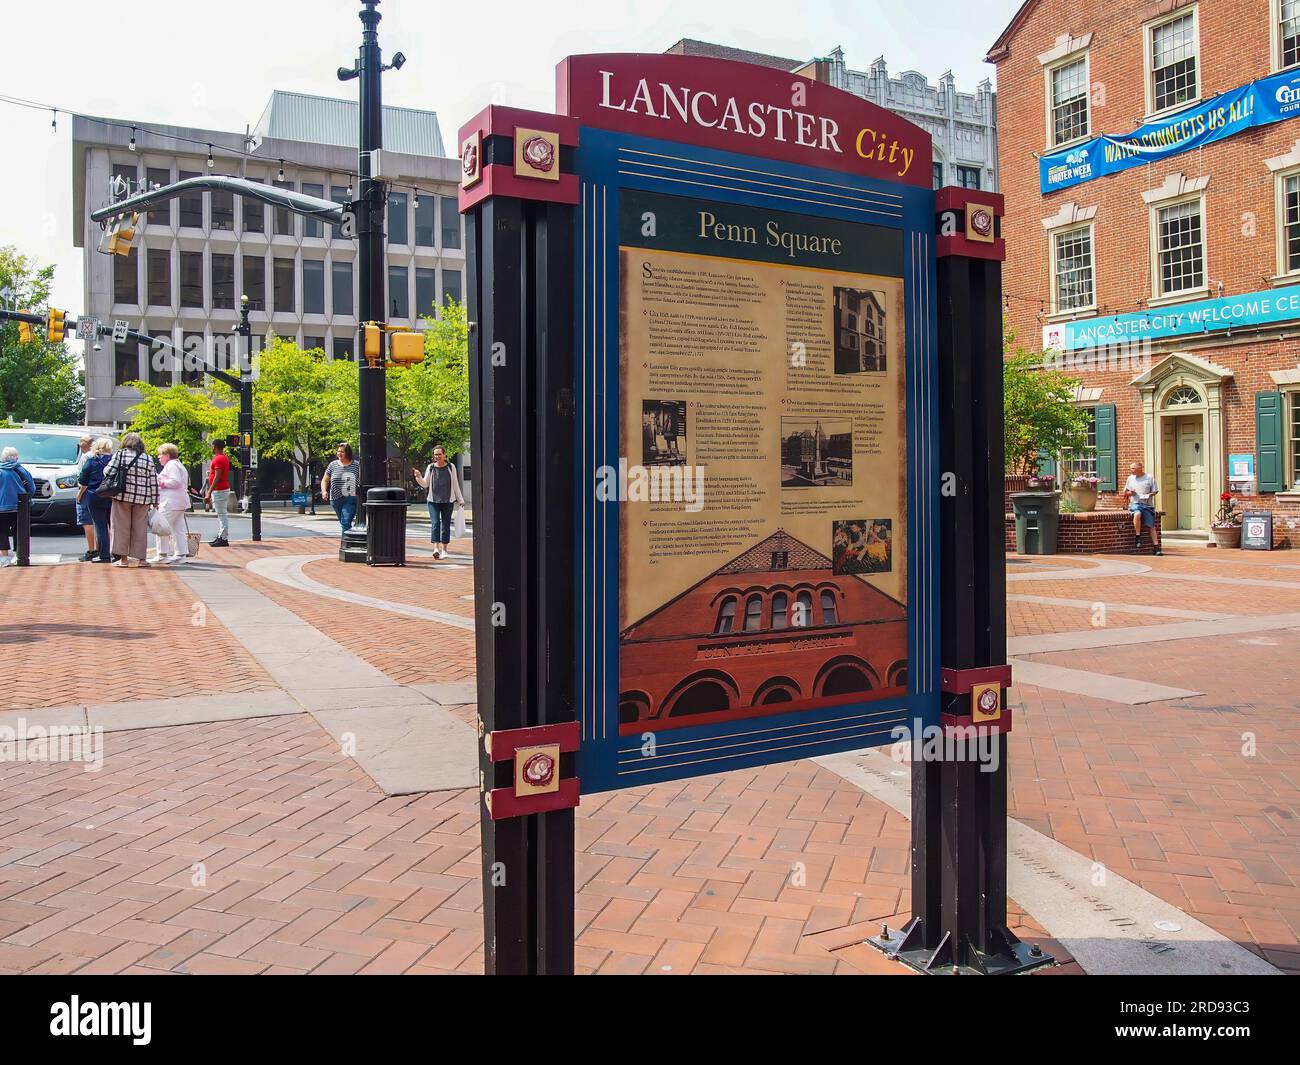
(1015, 957)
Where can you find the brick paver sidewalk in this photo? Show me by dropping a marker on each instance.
(258, 846)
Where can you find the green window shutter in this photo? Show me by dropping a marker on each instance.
(1104, 419)
(1268, 441)
(1046, 464)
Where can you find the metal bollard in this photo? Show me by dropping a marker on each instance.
(23, 534)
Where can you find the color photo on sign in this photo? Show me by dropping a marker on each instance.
(738, 609)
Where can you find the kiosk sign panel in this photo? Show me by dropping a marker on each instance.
(757, 439)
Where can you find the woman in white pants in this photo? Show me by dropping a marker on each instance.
(173, 504)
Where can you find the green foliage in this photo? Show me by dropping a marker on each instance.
(300, 403)
(1040, 410)
(40, 381)
(183, 416)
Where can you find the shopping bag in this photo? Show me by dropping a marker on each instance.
(158, 523)
(458, 524)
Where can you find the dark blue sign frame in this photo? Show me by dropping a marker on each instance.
(608, 163)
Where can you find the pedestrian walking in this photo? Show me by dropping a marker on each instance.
(339, 485)
(1140, 490)
(218, 491)
(173, 505)
(129, 523)
(15, 482)
(84, 518)
(98, 507)
(440, 479)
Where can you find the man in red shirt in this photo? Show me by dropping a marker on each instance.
(218, 490)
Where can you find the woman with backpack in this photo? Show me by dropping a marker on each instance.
(131, 481)
(99, 507)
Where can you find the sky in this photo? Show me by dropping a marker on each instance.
(214, 65)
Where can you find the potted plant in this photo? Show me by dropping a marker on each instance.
(1083, 491)
(1042, 483)
(1226, 527)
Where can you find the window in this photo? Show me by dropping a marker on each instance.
(780, 559)
(1173, 77)
(426, 290)
(802, 611)
(343, 348)
(313, 286)
(754, 613)
(968, 177)
(223, 211)
(191, 204)
(830, 615)
(158, 268)
(451, 285)
(223, 282)
(1289, 235)
(313, 343)
(424, 221)
(192, 279)
(311, 227)
(283, 282)
(1180, 253)
(1072, 282)
(780, 609)
(399, 302)
(938, 175)
(158, 366)
(450, 221)
(1294, 423)
(727, 615)
(398, 227)
(283, 216)
(341, 275)
(162, 214)
(126, 363)
(1069, 86)
(1082, 463)
(126, 277)
(255, 281)
(193, 360)
(339, 194)
(1288, 32)
(254, 214)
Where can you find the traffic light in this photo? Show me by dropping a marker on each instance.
(372, 348)
(118, 237)
(25, 331)
(406, 349)
(55, 325)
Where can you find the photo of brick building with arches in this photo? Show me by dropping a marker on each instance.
(773, 630)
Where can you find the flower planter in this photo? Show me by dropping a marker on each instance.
(1084, 497)
(1227, 536)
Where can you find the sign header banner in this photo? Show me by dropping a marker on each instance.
(740, 107)
(1258, 103)
(1179, 320)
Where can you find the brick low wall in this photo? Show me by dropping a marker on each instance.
(1097, 532)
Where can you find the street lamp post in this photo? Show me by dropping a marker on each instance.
(245, 330)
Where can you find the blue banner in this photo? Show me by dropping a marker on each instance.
(1259, 103)
(1178, 320)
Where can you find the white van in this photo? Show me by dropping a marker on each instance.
(49, 453)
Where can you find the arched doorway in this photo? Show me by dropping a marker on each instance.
(777, 690)
(706, 692)
(846, 675)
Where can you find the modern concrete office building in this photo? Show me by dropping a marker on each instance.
(194, 258)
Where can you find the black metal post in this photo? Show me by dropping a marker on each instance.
(245, 330)
(23, 533)
(519, 258)
(369, 210)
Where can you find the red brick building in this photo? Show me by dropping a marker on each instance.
(1171, 235)
(774, 630)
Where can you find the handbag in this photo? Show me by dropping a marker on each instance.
(158, 524)
(114, 481)
(193, 541)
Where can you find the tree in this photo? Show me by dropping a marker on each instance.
(1039, 410)
(183, 416)
(299, 405)
(39, 381)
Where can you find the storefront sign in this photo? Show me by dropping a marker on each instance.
(1259, 103)
(1178, 320)
(1241, 467)
(1257, 530)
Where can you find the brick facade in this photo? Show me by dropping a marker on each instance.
(1240, 223)
(1098, 532)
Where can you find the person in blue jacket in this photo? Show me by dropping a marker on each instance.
(100, 508)
(14, 482)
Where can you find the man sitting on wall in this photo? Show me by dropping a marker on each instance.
(1140, 490)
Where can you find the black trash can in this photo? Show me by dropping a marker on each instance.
(386, 527)
(1037, 520)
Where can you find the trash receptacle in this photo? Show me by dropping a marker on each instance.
(1037, 519)
(386, 527)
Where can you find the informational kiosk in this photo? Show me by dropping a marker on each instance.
(711, 440)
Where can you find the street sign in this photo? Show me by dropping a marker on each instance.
(120, 328)
(1257, 530)
(87, 327)
(299, 499)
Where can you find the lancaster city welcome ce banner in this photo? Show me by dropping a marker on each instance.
(1258, 103)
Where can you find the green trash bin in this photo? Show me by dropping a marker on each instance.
(1038, 517)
